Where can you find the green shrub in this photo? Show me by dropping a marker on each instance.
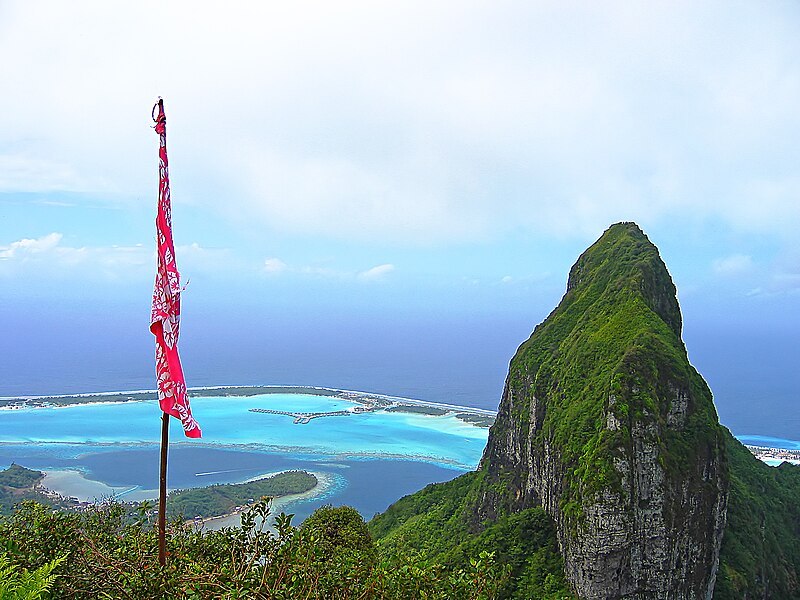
(18, 583)
(331, 557)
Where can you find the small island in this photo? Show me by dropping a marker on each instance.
(225, 499)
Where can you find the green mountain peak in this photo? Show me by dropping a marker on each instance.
(607, 450)
(606, 425)
(624, 258)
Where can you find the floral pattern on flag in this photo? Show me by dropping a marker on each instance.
(166, 312)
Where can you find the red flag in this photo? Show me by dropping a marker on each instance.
(166, 314)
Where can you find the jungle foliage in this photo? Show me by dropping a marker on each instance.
(97, 555)
(760, 555)
(438, 521)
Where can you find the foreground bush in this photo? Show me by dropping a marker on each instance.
(332, 556)
(20, 584)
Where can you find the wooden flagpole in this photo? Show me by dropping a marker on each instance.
(162, 483)
(162, 492)
(164, 323)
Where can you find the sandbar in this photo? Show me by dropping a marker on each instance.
(74, 484)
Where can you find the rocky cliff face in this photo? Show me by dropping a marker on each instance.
(605, 424)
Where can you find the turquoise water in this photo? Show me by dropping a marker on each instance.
(769, 442)
(228, 422)
(372, 459)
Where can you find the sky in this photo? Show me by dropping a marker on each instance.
(408, 180)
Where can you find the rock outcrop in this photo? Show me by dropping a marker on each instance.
(604, 423)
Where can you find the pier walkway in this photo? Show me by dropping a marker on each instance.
(300, 417)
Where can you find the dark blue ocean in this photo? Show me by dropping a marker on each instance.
(754, 375)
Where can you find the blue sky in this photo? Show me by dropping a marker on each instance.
(395, 162)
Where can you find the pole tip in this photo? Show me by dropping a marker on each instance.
(158, 105)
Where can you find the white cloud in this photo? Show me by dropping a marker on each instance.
(786, 282)
(274, 265)
(354, 120)
(734, 265)
(24, 248)
(377, 272)
(48, 255)
(19, 172)
(194, 258)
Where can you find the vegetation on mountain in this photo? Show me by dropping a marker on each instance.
(476, 419)
(417, 409)
(18, 483)
(238, 391)
(19, 477)
(436, 521)
(760, 555)
(611, 346)
(605, 425)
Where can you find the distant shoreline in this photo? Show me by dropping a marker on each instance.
(479, 417)
(150, 395)
(772, 454)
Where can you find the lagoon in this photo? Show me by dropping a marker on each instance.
(227, 422)
(369, 459)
